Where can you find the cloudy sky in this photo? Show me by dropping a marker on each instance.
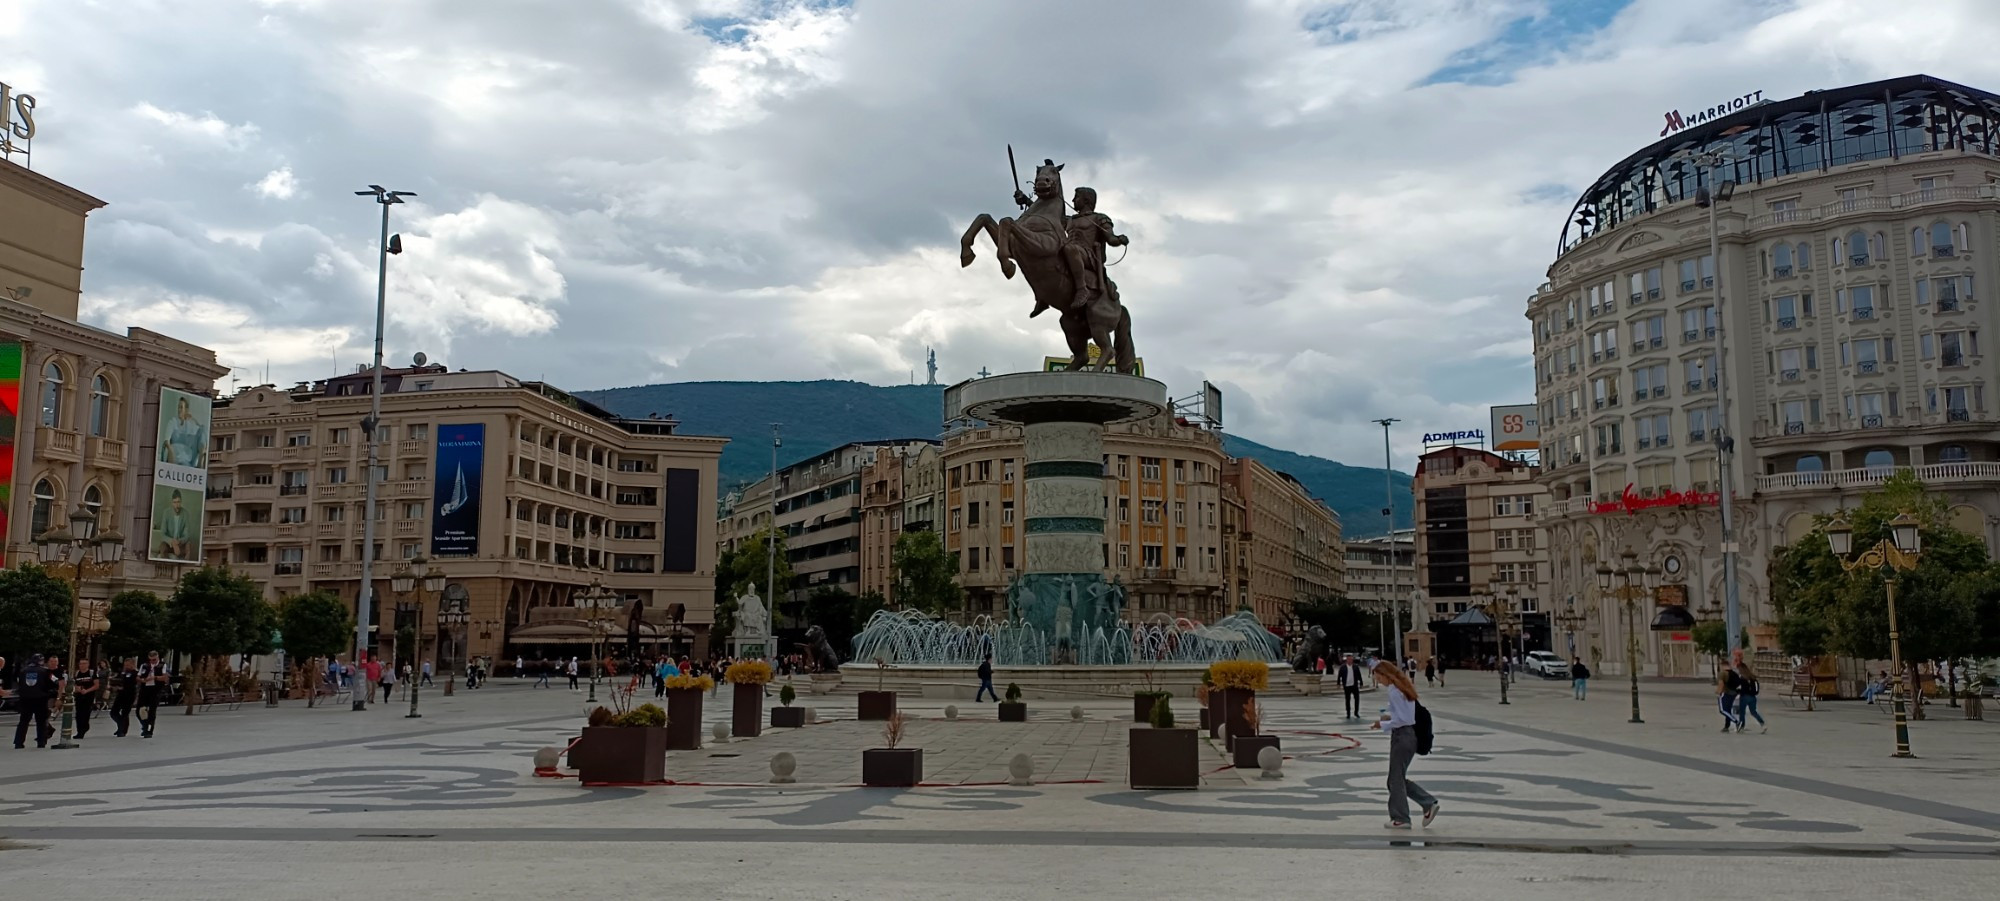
(1336, 208)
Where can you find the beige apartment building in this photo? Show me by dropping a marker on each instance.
(820, 503)
(1382, 570)
(1163, 518)
(520, 495)
(84, 429)
(1291, 549)
(1859, 232)
(1478, 540)
(885, 506)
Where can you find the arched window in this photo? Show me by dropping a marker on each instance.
(1917, 242)
(45, 502)
(1838, 243)
(1857, 247)
(93, 500)
(1781, 260)
(1941, 239)
(1953, 453)
(1879, 458)
(1804, 255)
(100, 406)
(52, 388)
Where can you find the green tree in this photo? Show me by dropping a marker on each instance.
(926, 576)
(1712, 638)
(138, 624)
(214, 613)
(745, 568)
(1804, 634)
(35, 612)
(315, 625)
(1345, 623)
(1937, 603)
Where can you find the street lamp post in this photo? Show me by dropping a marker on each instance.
(1725, 446)
(1897, 553)
(596, 599)
(1570, 620)
(366, 598)
(1629, 593)
(452, 618)
(1389, 529)
(1496, 610)
(415, 575)
(82, 541)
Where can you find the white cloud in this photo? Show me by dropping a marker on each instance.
(278, 184)
(686, 189)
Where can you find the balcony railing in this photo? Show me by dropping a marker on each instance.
(1789, 375)
(1691, 335)
(1787, 322)
(1947, 305)
(1695, 435)
(1781, 272)
(1930, 474)
(1865, 367)
(1687, 284)
(1863, 313)
(1871, 421)
(1958, 415)
(1944, 251)
(1795, 428)
(1858, 259)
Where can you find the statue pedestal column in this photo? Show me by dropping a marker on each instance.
(1062, 592)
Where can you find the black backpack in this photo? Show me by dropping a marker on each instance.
(1424, 734)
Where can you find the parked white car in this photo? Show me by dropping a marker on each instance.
(1546, 663)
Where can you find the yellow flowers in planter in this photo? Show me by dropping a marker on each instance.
(699, 683)
(1242, 674)
(748, 672)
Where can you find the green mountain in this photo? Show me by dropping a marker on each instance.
(818, 416)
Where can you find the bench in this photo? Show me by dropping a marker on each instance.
(231, 699)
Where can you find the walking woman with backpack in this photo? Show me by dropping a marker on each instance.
(1409, 728)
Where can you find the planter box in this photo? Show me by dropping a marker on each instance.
(1164, 758)
(892, 767)
(746, 717)
(1212, 714)
(788, 717)
(1206, 724)
(1245, 749)
(1308, 684)
(683, 719)
(1142, 706)
(1232, 711)
(876, 705)
(824, 683)
(621, 755)
(1013, 712)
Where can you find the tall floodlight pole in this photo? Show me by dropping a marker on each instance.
(366, 596)
(1714, 194)
(1389, 520)
(771, 550)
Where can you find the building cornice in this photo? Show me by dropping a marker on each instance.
(45, 188)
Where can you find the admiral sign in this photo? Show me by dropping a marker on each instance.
(1676, 121)
(1467, 436)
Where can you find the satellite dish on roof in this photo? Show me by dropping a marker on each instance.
(421, 359)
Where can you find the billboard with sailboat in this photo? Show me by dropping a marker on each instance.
(461, 458)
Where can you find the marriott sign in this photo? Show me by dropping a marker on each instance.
(1677, 121)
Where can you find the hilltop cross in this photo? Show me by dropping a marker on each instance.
(983, 373)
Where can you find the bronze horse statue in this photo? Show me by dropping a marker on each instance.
(1038, 240)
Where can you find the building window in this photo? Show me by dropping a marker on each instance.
(336, 436)
(419, 431)
(1124, 509)
(292, 514)
(332, 513)
(1006, 513)
(1007, 470)
(93, 500)
(298, 439)
(1149, 511)
(1150, 556)
(1149, 469)
(52, 388)
(1124, 555)
(413, 510)
(972, 513)
(45, 499)
(1953, 453)
(336, 475)
(100, 406)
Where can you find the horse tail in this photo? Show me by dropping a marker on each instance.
(1127, 357)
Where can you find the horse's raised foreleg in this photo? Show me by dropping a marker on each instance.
(981, 222)
(1004, 238)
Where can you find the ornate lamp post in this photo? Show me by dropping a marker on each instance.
(1897, 553)
(1645, 577)
(597, 600)
(1571, 620)
(89, 548)
(415, 575)
(452, 619)
(1497, 610)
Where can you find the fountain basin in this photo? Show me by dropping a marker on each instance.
(1039, 683)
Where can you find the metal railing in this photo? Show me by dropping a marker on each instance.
(1869, 476)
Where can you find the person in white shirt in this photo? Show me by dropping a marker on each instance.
(1348, 676)
(1402, 728)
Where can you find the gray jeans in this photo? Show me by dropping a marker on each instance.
(1403, 747)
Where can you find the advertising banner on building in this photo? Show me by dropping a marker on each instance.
(1516, 427)
(461, 460)
(11, 361)
(180, 478)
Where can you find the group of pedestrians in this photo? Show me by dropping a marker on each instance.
(134, 688)
(1736, 695)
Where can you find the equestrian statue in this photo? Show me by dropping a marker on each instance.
(1062, 257)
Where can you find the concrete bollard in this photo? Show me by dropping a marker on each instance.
(1270, 761)
(1022, 769)
(720, 730)
(951, 711)
(783, 764)
(1076, 714)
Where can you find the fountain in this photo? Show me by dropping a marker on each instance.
(908, 637)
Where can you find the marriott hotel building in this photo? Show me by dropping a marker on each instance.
(1848, 304)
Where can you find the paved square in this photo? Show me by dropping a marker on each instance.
(221, 804)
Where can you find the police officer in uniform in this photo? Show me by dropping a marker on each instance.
(125, 690)
(34, 688)
(88, 690)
